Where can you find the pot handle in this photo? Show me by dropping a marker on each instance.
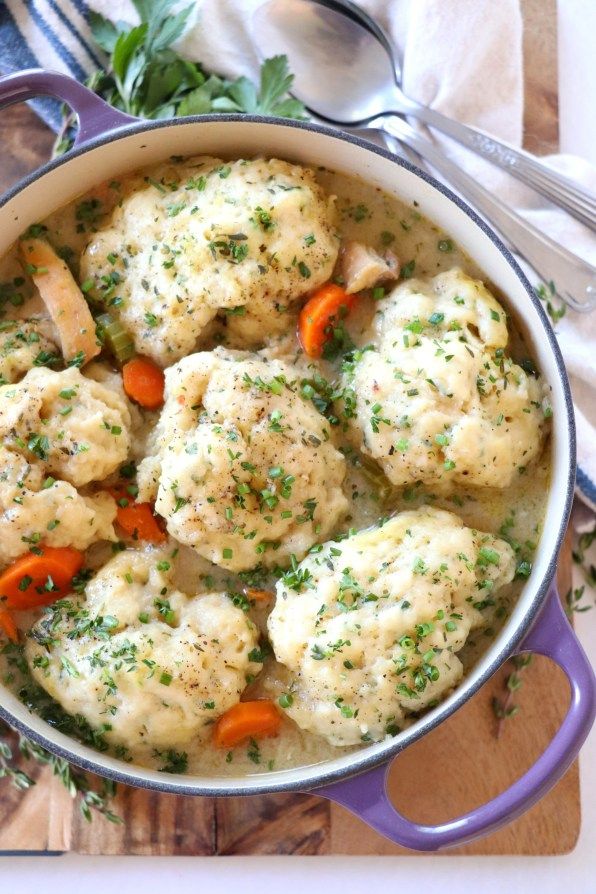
(366, 795)
(95, 116)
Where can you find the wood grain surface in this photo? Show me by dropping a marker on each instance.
(458, 766)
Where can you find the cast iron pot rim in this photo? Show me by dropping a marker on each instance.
(380, 752)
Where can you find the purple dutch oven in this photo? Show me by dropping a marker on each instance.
(110, 143)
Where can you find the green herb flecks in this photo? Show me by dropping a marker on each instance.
(175, 761)
(555, 307)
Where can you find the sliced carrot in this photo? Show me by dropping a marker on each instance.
(319, 313)
(144, 382)
(64, 300)
(255, 595)
(40, 578)
(7, 624)
(246, 720)
(137, 519)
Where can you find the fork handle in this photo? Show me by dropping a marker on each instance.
(551, 261)
(553, 186)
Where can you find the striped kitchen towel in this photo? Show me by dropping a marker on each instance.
(48, 34)
(445, 74)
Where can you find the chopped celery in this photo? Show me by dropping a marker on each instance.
(375, 475)
(115, 337)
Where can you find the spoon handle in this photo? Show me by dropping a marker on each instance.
(552, 262)
(553, 186)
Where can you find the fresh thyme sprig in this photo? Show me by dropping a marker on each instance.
(145, 77)
(91, 800)
(574, 603)
(8, 770)
(94, 796)
(505, 708)
(584, 542)
(574, 598)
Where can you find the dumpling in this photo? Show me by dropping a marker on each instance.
(369, 626)
(23, 345)
(35, 507)
(248, 237)
(77, 428)
(243, 468)
(141, 661)
(435, 398)
(60, 431)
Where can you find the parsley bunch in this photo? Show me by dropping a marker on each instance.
(145, 77)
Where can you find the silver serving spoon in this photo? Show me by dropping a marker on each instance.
(357, 82)
(335, 59)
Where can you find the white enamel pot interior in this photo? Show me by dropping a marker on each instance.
(236, 136)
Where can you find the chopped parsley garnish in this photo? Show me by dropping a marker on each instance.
(297, 578)
(253, 751)
(263, 218)
(233, 248)
(407, 271)
(165, 610)
(175, 761)
(488, 556)
(39, 445)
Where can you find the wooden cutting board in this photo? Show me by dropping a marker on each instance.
(460, 765)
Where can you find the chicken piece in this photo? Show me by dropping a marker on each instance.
(361, 267)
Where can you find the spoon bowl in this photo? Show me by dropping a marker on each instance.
(340, 70)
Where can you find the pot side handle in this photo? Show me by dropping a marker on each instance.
(95, 116)
(366, 795)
